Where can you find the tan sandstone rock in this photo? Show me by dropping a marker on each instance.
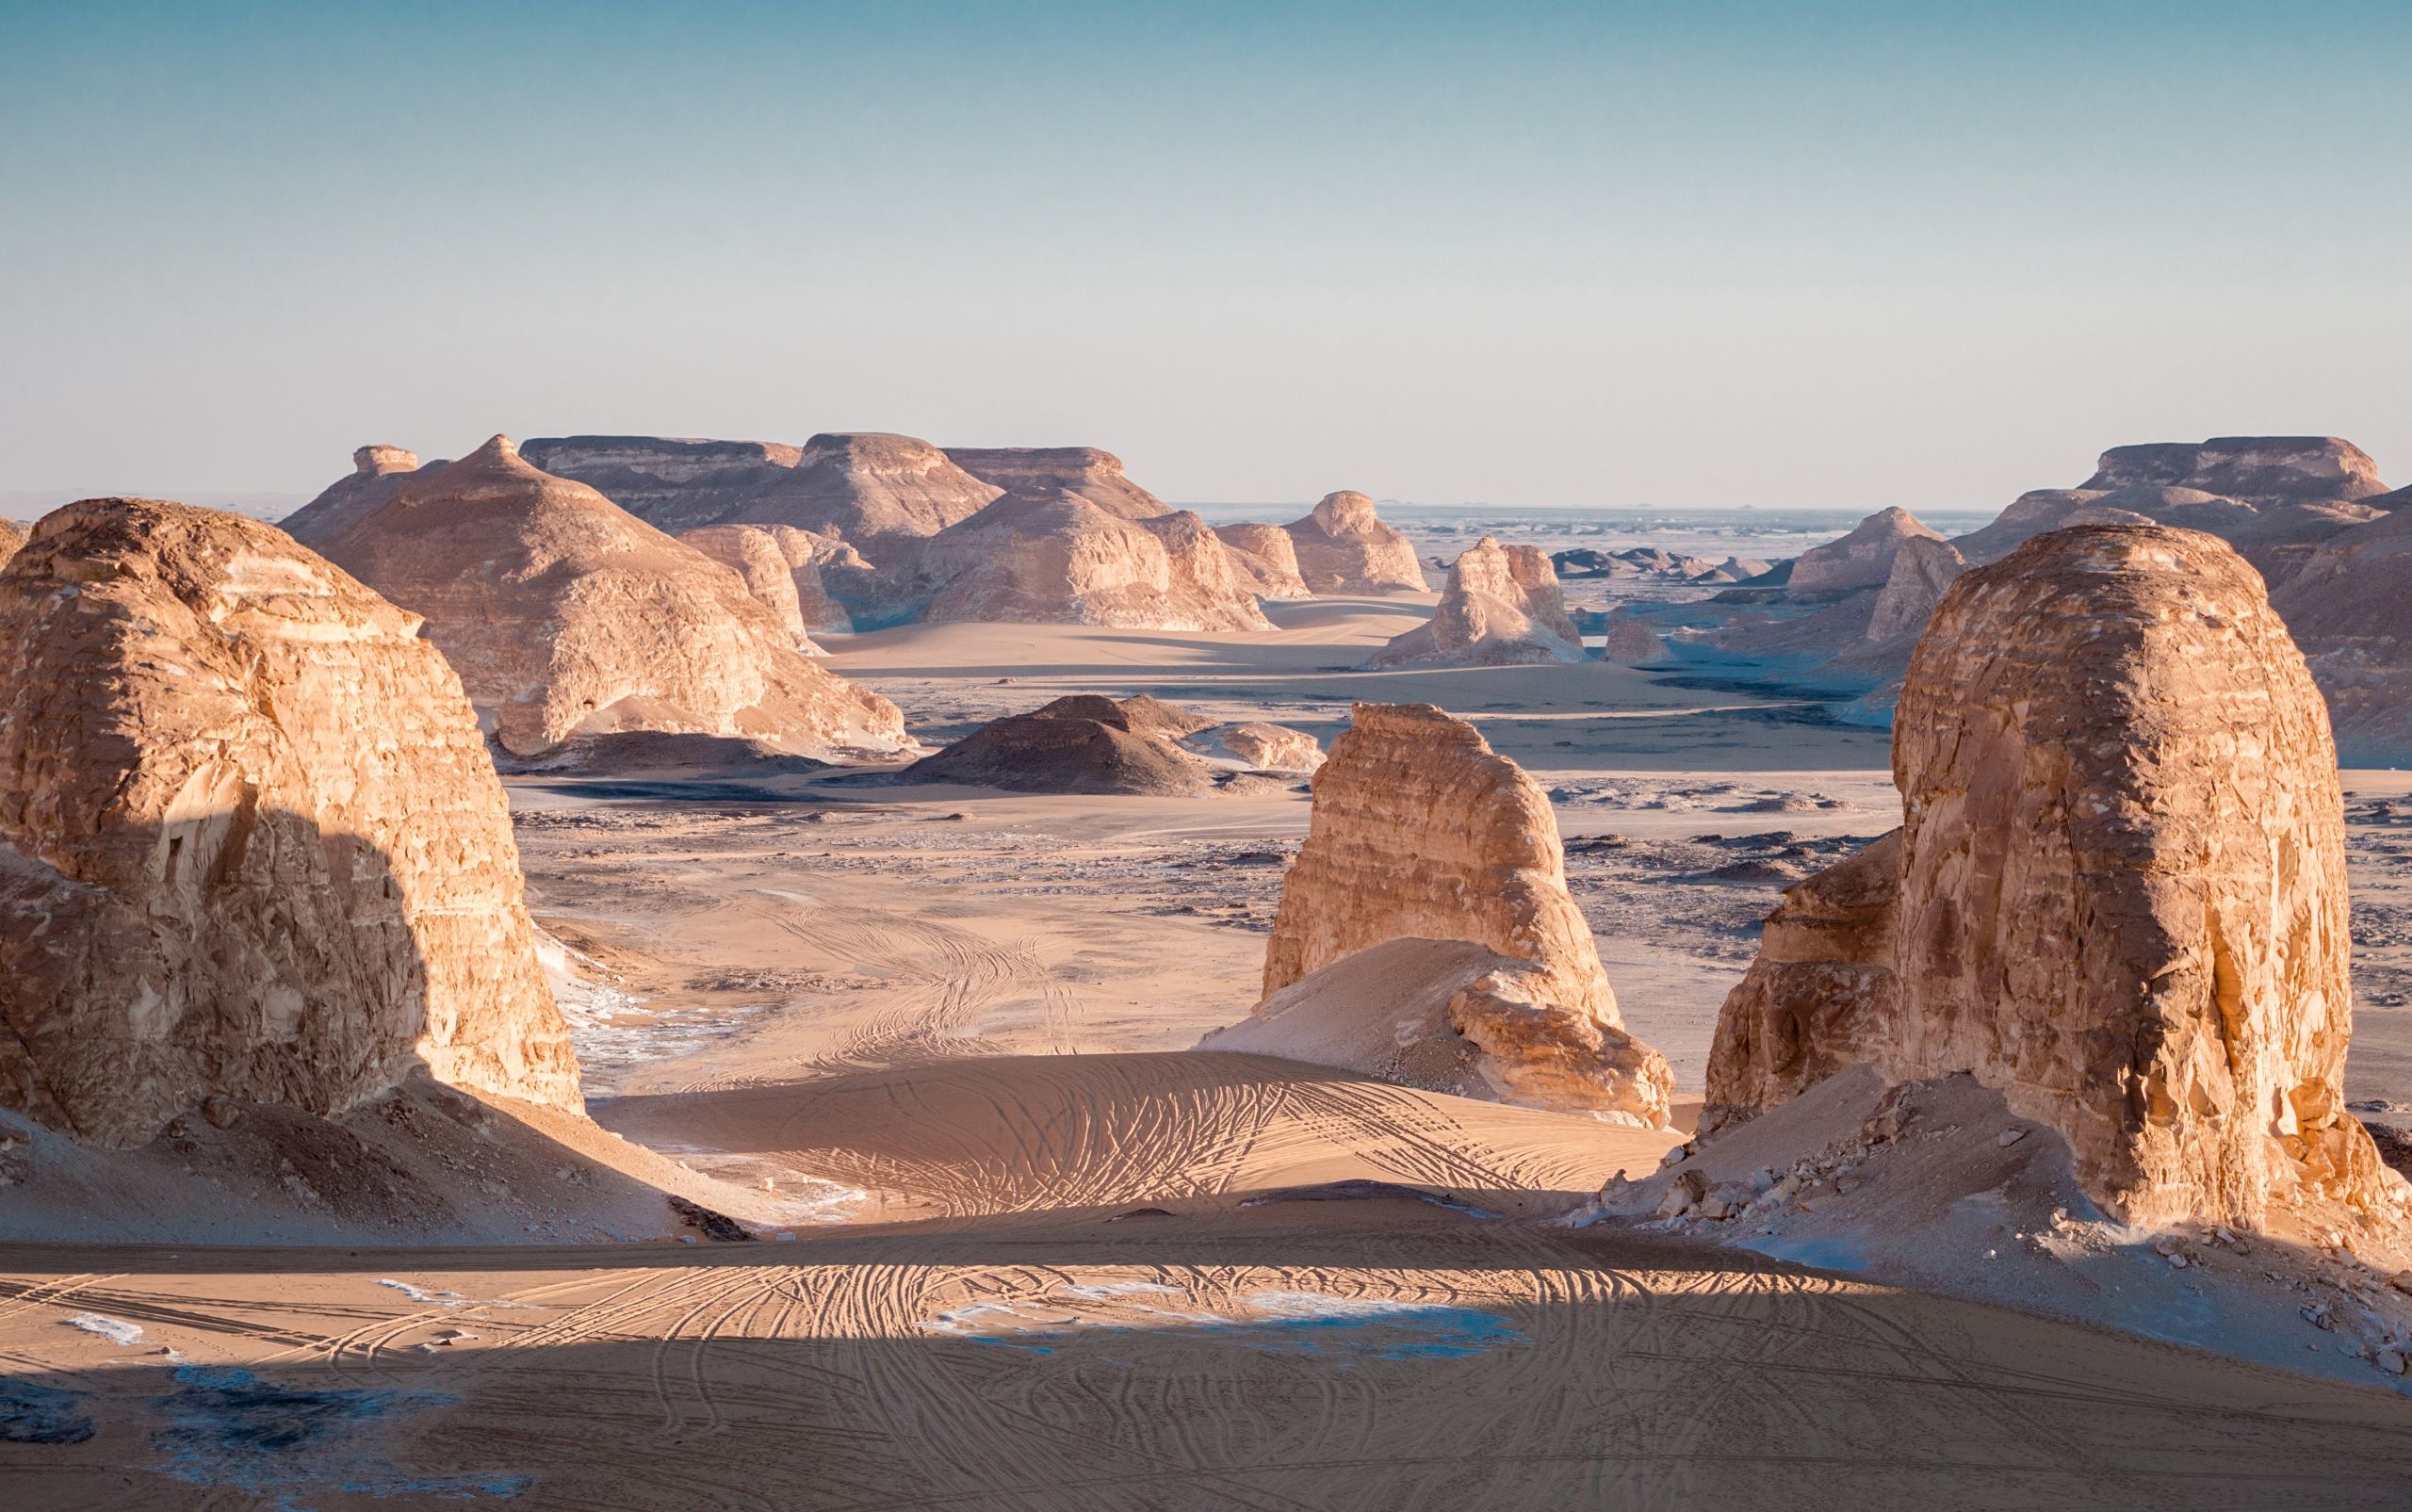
(1093, 474)
(1863, 559)
(674, 484)
(1502, 606)
(1630, 641)
(12, 535)
(565, 615)
(1266, 559)
(250, 846)
(2122, 886)
(376, 472)
(1343, 548)
(2258, 469)
(1261, 747)
(1421, 832)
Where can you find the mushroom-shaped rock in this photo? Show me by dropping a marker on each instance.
(1863, 559)
(1094, 475)
(1420, 830)
(1343, 548)
(1502, 606)
(251, 844)
(377, 474)
(565, 615)
(1266, 559)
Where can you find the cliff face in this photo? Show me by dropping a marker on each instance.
(1265, 558)
(753, 553)
(1421, 832)
(565, 615)
(1342, 548)
(1863, 559)
(672, 483)
(1502, 606)
(866, 485)
(1093, 474)
(251, 845)
(1060, 560)
(376, 472)
(2121, 888)
(815, 567)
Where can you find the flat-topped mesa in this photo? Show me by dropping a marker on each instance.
(567, 616)
(251, 845)
(866, 485)
(1060, 559)
(1420, 830)
(1266, 559)
(2257, 469)
(1094, 475)
(1863, 559)
(672, 483)
(1502, 606)
(378, 472)
(1343, 548)
(2121, 885)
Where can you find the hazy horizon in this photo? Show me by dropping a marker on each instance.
(1538, 256)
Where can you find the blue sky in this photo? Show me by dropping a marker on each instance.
(1540, 254)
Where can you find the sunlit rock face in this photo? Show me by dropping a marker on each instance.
(377, 474)
(566, 616)
(251, 845)
(861, 487)
(753, 553)
(1343, 548)
(1060, 559)
(2120, 889)
(1420, 830)
(1502, 606)
(1093, 474)
(1863, 559)
(1266, 559)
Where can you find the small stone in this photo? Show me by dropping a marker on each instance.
(221, 1112)
(2010, 1137)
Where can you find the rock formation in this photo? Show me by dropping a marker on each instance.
(1342, 548)
(1501, 606)
(864, 486)
(1258, 747)
(1059, 558)
(2121, 885)
(377, 472)
(1863, 559)
(1266, 560)
(1093, 474)
(1420, 832)
(1080, 744)
(1631, 640)
(250, 846)
(2350, 608)
(673, 483)
(815, 569)
(753, 553)
(2257, 469)
(565, 615)
(11, 537)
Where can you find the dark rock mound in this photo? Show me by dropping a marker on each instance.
(1082, 744)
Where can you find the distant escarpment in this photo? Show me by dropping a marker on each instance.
(566, 616)
(1093, 474)
(1502, 606)
(251, 850)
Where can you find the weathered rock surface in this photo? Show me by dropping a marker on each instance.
(1060, 560)
(2122, 884)
(1343, 548)
(1266, 560)
(1080, 744)
(752, 551)
(1421, 832)
(11, 537)
(1501, 606)
(2350, 608)
(1258, 747)
(671, 482)
(865, 485)
(1630, 641)
(1863, 559)
(2257, 469)
(565, 615)
(250, 846)
(1093, 474)
(376, 473)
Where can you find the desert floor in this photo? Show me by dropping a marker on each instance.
(1044, 1255)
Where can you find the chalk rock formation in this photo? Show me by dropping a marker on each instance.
(1258, 747)
(2350, 608)
(250, 846)
(376, 472)
(1093, 474)
(1265, 558)
(1501, 606)
(866, 485)
(566, 615)
(2122, 883)
(1863, 559)
(1421, 832)
(2257, 469)
(1922, 569)
(1060, 560)
(1629, 640)
(11, 537)
(809, 568)
(753, 553)
(1080, 744)
(673, 483)
(1342, 548)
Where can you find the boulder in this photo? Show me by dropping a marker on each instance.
(1093, 474)
(567, 616)
(376, 473)
(1080, 744)
(1863, 559)
(1343, 548)
(1501, 608)
(2121, 885)
(1630, 641)
(1265, 558)
(1420, 830)
(252, 849)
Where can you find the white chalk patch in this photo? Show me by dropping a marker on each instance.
(115, 1330)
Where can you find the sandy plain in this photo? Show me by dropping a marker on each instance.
(1039, 1254)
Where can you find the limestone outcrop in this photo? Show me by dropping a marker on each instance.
(251, 845)
(811, 571)
(1863, 559)
(376, 472)
(2121, 887)
(567, 616)
(1093, 474)
(1058, 558)
(2350, 608)
(1421, 832)
(753, 553)
(673, 483)
(1631, 640)
(1265, 558)
(865, 485)
(1502, 606)
(11, 537)
(1260, 747)
(1343, 548)
(2257, 469)
(1080, 744)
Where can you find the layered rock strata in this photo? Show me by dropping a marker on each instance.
(250, 846)
(1060, 560)
(2257, 469)
(867, 485)
(376, 472)
(1863, 559)
(1093, 474)
(1421, 832)
(2349, 608)
(674, 484)
(1343, 548)
(1265, 558)
(1502, 606)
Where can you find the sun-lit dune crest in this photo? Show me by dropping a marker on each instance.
(1420, 832)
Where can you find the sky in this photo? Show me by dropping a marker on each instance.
(1535, 255)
